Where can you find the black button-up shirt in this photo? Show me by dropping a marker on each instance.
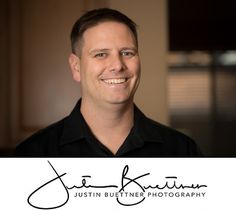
(72, 137)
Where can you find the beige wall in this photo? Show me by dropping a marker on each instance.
(36, 85)
(48, 91)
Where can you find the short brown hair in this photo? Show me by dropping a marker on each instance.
(93, 17)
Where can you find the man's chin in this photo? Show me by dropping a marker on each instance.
(119, 101)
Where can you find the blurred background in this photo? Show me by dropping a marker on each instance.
(188, 53)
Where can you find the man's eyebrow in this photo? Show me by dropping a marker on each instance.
(129, 48)
(98, 50)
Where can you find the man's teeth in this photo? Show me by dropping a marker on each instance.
(114, 81)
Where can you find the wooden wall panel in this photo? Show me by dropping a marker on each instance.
(42, 88)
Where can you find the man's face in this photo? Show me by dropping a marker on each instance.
(109, 65)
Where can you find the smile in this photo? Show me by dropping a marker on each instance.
(115, 81)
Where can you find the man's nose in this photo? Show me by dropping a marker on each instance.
(117, 63)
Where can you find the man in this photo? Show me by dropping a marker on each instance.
(105, 122)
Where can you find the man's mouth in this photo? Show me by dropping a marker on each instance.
(115, 81)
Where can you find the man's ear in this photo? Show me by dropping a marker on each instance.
(74, 62)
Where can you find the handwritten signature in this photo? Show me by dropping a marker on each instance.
(126, 181)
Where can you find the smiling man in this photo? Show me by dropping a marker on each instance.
(105, 122)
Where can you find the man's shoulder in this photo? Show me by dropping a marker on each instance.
(47, 137)
(157, 130)
(52, 131)
(164, 132)
(170, 138)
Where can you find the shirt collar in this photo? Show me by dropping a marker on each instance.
(147, 129)
(75, 127)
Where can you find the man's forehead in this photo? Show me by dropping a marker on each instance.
(106, 24)
(92, 37)
(108, 29)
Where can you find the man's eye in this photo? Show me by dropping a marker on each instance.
(127, 53)
(100, 55)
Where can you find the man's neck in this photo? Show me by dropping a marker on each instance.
(110, 124)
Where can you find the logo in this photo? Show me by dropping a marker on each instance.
(128, 191)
